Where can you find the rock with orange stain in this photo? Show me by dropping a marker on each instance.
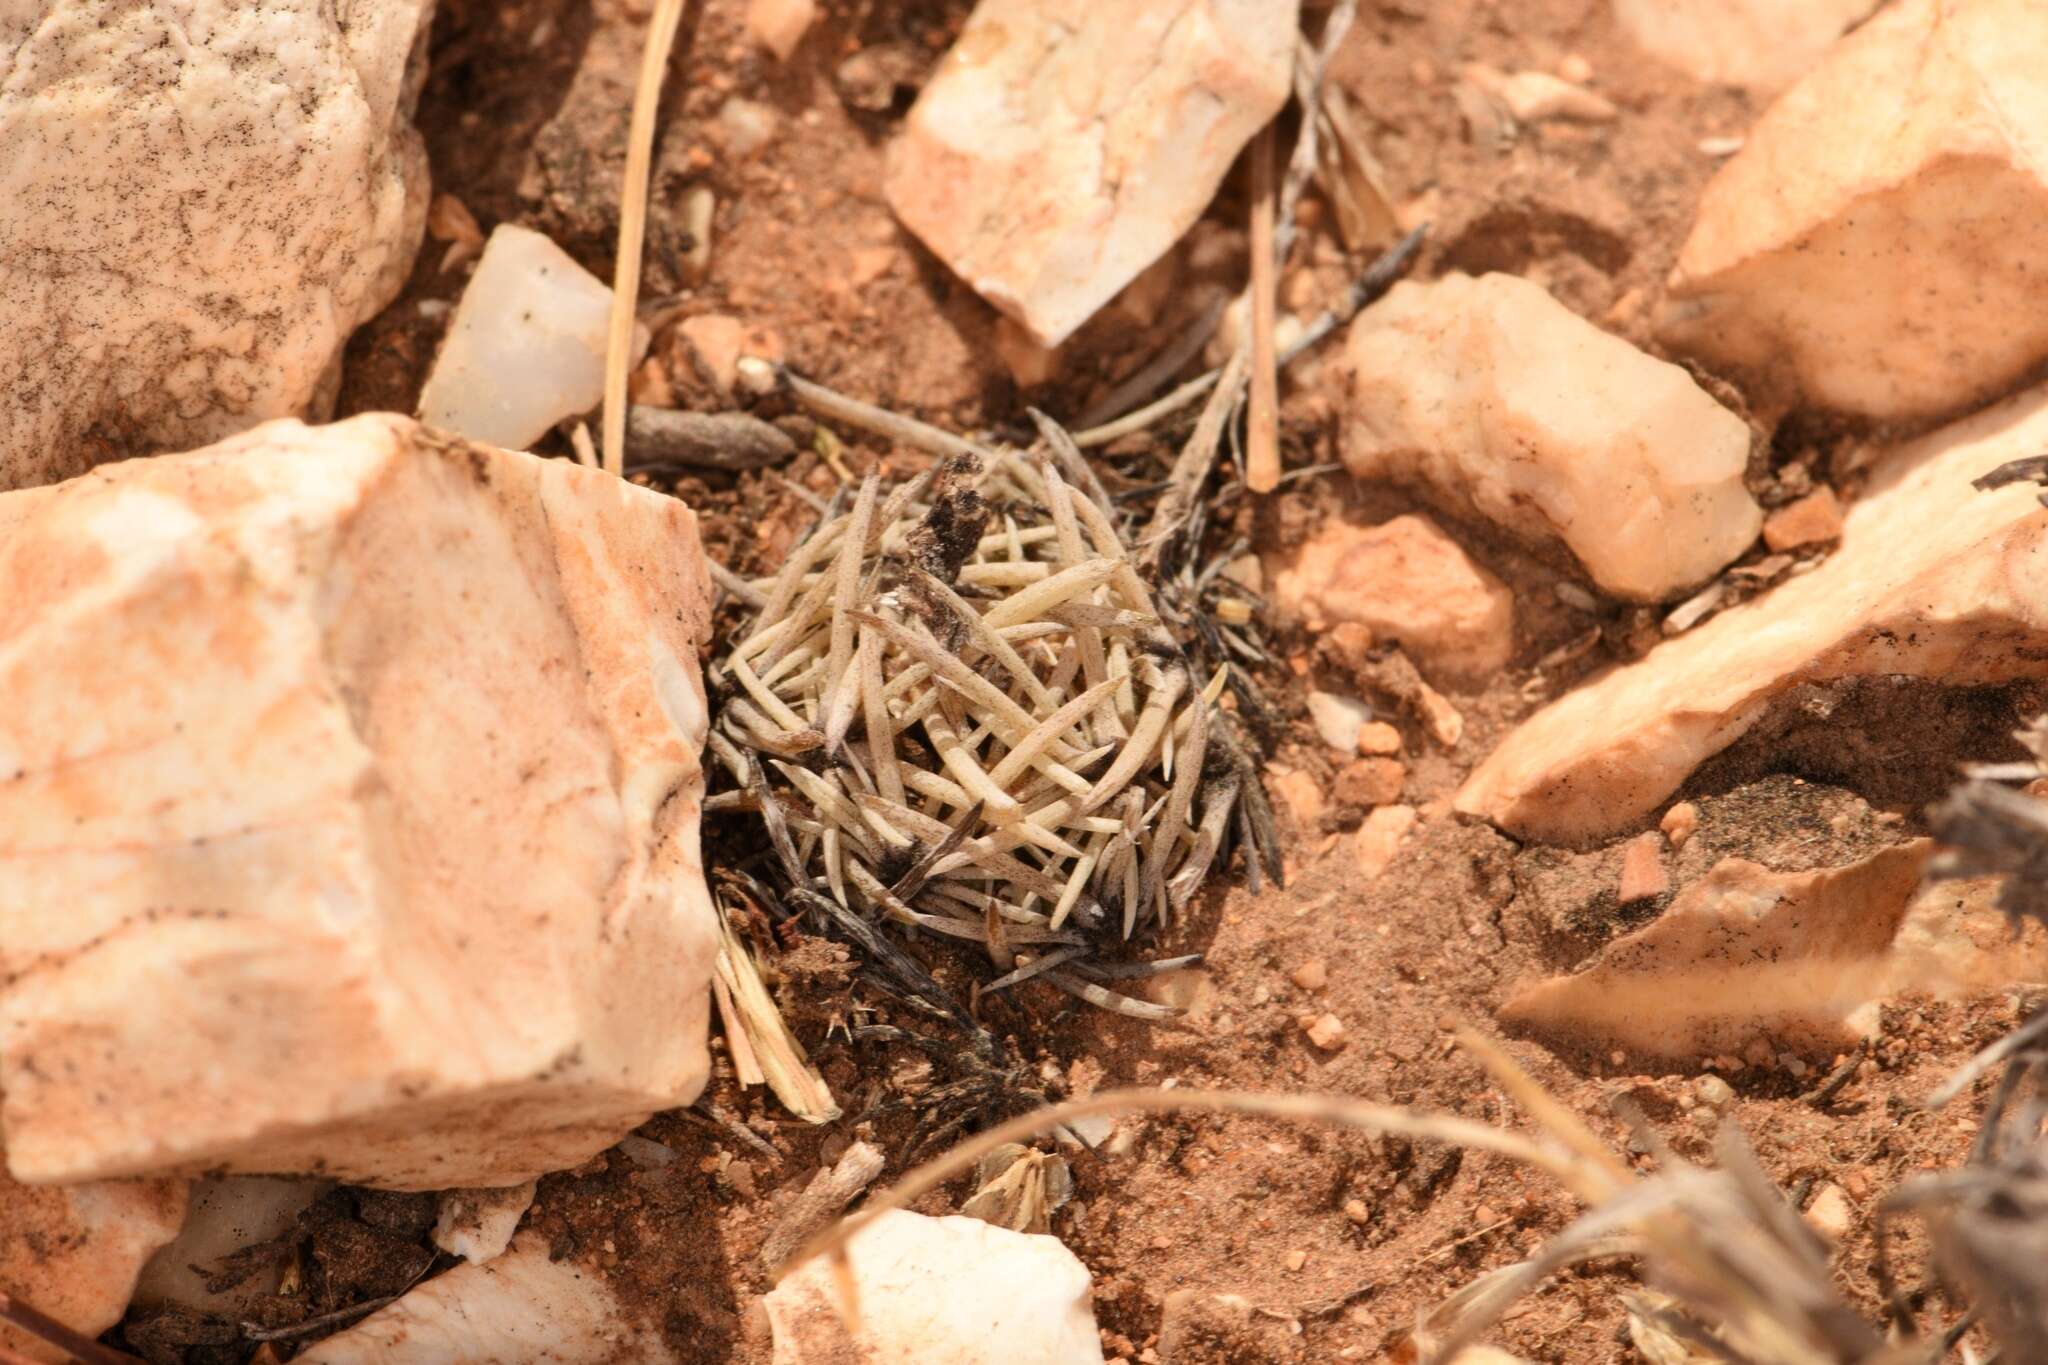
(74, 1252)
(1063, 146)
(1812, 520)
(1642, 870)
(349, 790)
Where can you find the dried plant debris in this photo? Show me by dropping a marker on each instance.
(1989, 1219)
(1992, 828)
(960, 713)
(1019, 1188)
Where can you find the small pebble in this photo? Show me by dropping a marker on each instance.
(1811, 520)
(1338, 719)
(1357, 1212)
(1311, 975)
(1642, 870)
(1370, 782)
(1377, 739)
(1326, 1032)
(1713, 1091)
(1296, 1260)
(1831, 1213)
(1679, 823)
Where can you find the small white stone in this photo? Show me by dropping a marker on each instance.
(1713, 1092)
(746, 126)
(940, 1291)
(1831, 1213)
(1338, 720)
(526, 348)
(477, 1225)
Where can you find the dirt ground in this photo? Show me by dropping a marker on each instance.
(1338, 1238)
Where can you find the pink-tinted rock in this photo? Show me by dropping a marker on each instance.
(1409, 582)
(1502, 404)
(1934, 579)
(1866, 249)
(349, 790)
(1063, 146)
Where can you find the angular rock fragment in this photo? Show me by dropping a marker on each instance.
(523, 1306)
(1934, 579)
(477, 1225)
(349, 791)
(526, 348)
(73, 1252)
(199, 202)
(1408, 582)
(1761, 45)
(1871, 239)
(1797, 959)
(944, 1291)
(1062, 147)
(1501, 403)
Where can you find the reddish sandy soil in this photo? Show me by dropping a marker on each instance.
(525, 111)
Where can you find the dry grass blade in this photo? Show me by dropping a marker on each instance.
(661, 36)
(765, 1036)
(1352, 1113)
(1262, 413)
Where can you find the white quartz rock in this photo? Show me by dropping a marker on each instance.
(1502, 403)
(74, 1251)
(941, 1291)
(527, 345)
(478, 1224)
(225, 1216)
(1063, 145)
(349, 790)
(199, 201)
(1934, 579)
(520, 1308)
